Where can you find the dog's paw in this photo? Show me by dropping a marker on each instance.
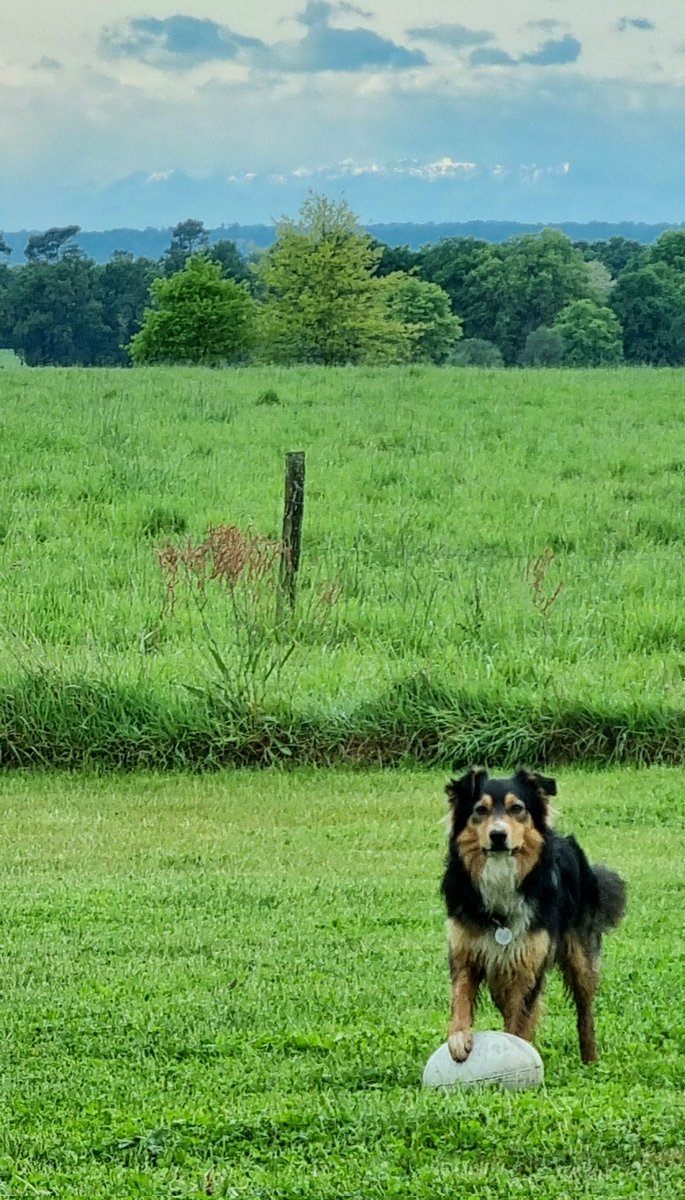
(460, 1044)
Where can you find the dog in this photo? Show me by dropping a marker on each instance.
(519, 899)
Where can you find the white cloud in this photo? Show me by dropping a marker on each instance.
(65, 125)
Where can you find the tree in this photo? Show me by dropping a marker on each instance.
(542, 274)
(197, 317)
(233, 264)
(125, 284)
(321, 301)
(544, 348)
(649, 301)
(615, 254)
(669, 249)
(395, 258)
(677, 335)
(592, 335)
(55, 313)
(7, 279)
(601, 281)
(476, 352)
(187, 237)
(4, 248)
(49, 246)
(471, 273)
(425, 309)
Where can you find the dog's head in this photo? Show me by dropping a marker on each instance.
(492, 817)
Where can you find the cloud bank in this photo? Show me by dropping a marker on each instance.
(552, 53)
(176, 42)
(415, 114)
(184, 42)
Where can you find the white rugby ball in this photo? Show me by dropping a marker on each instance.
(496, 1059)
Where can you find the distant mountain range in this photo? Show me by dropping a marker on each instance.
(151, 243)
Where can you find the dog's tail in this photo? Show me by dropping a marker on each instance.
(611, 899)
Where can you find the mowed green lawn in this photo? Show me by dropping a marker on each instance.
(229, 985)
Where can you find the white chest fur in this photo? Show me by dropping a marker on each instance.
(500, 894)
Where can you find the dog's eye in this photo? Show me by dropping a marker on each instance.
(517, 810)
(481, 810)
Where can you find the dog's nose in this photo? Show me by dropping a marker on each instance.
(498, 839)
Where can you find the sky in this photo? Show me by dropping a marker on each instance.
(144, 113)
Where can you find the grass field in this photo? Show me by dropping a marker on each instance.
(229, 986)
(433, 621)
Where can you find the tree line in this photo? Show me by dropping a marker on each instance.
(326, 292)
(151, 242)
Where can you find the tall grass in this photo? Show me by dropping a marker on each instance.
(491, 560)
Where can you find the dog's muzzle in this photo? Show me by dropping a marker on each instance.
(499, 838)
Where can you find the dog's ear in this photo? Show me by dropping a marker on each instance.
(541, 783)
(537, 789)
(469, 788)
(464, 793)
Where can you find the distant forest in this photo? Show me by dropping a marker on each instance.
(320, 290)
(151, 243)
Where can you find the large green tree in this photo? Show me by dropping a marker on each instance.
(591, 333)
(471, 272)
(196, 317)
(542, 274)
(649, 301)
(669, 249)
(54, 313)
(424, 308)
(321, 300)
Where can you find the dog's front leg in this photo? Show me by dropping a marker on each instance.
(466, 978)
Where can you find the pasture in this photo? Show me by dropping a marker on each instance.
(9, 360)
(228, 986)
(492, 566)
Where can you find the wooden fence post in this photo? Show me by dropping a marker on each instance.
(292, 524)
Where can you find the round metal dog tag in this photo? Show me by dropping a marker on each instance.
(503, 935)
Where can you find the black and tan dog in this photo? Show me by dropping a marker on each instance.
(519, 899)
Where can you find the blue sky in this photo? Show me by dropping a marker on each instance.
(119, 114)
